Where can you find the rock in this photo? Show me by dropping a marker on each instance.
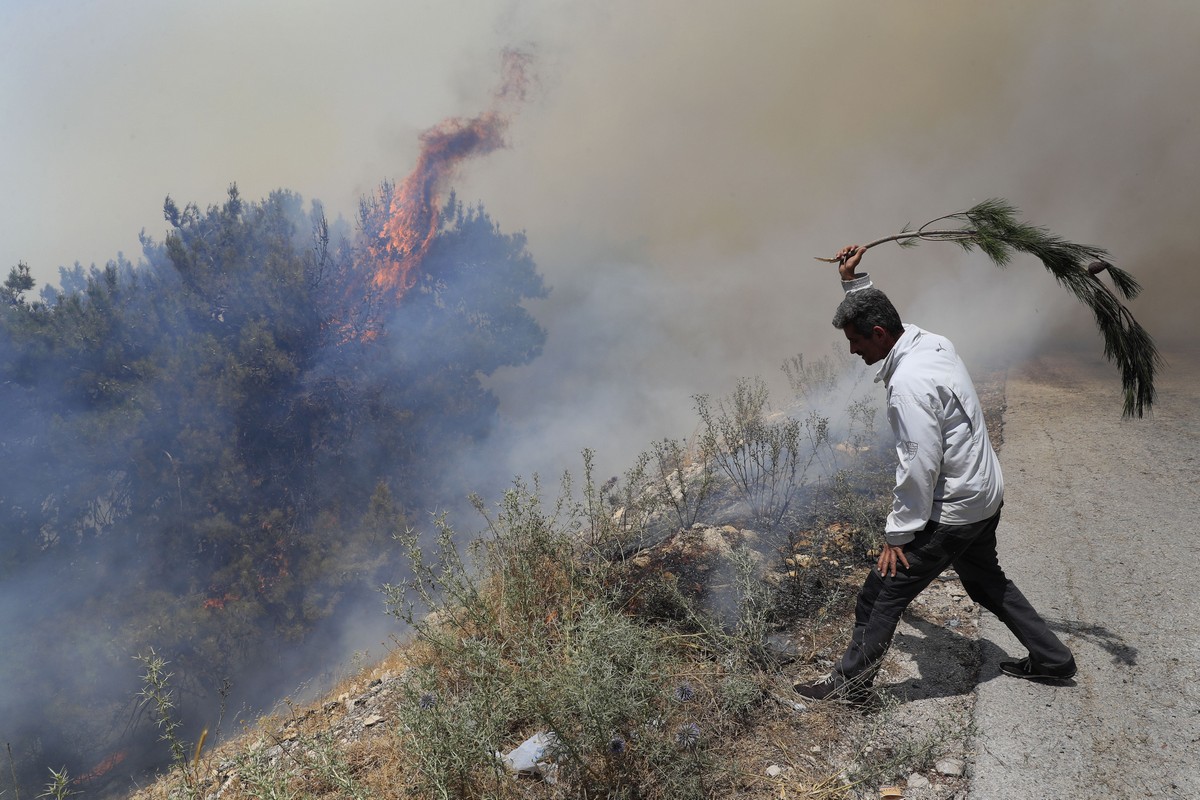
(374, 719)
(918, 781)
(774, 771)
(951, 767)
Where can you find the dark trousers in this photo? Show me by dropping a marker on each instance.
(971, 549)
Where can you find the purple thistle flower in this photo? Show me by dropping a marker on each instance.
(688, 736)
(684, 692)
(427, 701)
(616, 746)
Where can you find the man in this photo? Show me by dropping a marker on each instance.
(946, 504)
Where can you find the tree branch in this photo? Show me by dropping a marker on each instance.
(953, 235)
(992, 227)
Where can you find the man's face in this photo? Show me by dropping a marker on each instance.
(872, 347)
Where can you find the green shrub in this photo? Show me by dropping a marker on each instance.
(524, 635)
(766, 456)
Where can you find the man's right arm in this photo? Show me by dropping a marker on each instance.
(848, 260)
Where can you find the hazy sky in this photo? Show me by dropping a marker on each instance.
(676, 166)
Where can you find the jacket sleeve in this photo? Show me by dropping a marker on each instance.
(916, 422)
(863, 281)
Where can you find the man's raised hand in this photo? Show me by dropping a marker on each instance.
(848, 259)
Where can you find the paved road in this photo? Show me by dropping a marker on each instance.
(1101, 530)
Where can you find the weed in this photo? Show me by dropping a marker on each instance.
(766, 456)
(813, 381)
(616, 513)
(526, 636)
(754, 605)
(59, 786)
(683, 476)
(260, 776)
(156, 692)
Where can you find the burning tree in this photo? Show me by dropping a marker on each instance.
(200, 427)
(401, 222)
(992, 226)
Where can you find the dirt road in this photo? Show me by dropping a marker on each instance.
(1100, 530)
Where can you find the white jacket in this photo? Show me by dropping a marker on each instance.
(946, 468)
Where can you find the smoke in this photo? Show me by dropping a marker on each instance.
(686, 161)
(675, 167)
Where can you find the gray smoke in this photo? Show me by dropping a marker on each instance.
(677, 168)
(687, 160)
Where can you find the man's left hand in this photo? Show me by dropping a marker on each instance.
(888, 558)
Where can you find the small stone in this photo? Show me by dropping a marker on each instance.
(951, 767)
(374, 719)
(918, 781)
(774, 771)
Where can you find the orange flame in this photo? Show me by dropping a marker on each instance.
(219, 603)
(103, 768)
(413, 215)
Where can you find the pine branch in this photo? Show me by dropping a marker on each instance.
(992, 226)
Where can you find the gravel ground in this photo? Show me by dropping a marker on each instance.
(1097, 531)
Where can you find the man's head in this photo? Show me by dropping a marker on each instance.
(871, 323)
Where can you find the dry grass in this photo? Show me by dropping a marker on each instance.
(298, 752)
(534, 631)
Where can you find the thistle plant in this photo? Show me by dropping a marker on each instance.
(157, 693)
(59, 786)
(992, 226)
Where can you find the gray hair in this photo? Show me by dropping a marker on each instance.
(866, 308)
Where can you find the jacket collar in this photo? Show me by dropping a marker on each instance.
(906, 343)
